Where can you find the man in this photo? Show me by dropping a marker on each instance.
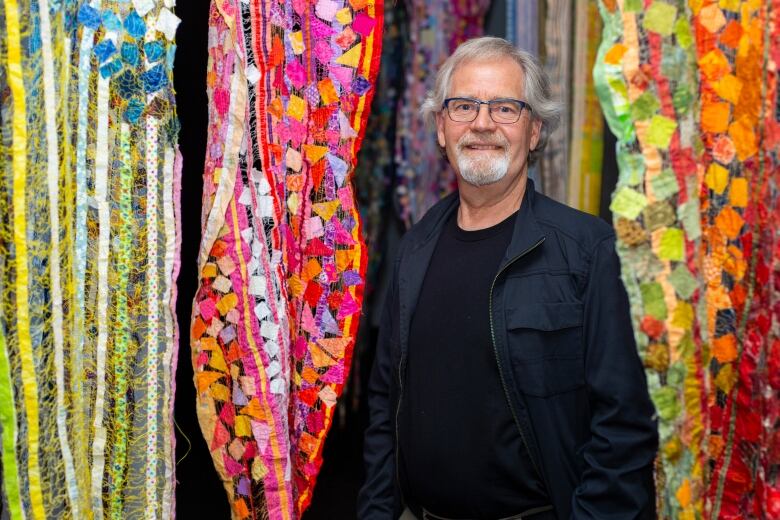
(506, 382)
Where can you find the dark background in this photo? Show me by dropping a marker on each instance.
(199, 492)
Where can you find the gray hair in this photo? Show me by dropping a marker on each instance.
(536, 85)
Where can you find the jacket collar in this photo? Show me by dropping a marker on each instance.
(414, 263)
(526, 232)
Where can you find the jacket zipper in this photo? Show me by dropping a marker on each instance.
(498, 361)
(397, 436)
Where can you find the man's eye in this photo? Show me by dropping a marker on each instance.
(464, 107)
(507, 109)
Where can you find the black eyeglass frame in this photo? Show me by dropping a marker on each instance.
(523, 106)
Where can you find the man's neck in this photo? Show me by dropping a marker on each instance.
(485, 206)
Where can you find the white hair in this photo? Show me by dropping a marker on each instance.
(536, 84)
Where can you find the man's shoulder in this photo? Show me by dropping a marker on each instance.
(432, 220)
(584, 229)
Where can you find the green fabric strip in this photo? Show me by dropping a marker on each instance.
(8, 422)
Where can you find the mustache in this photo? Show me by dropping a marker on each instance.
(492, 140)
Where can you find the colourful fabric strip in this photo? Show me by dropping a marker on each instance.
(172, 212)
(587, 128)
(153, 317)
(102, 261)
(282, 264)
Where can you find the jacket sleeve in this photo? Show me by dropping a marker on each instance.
(618, 477)
(376, 500)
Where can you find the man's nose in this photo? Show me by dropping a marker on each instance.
(483, 120)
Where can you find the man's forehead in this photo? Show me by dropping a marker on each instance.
(498, 77)
(505, 63)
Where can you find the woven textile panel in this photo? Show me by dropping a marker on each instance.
(282, 260)
(586, 147)
(88, 230)
(690, 90)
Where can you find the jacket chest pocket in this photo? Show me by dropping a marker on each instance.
(546, 347)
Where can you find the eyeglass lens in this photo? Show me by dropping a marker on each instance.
(467, 110)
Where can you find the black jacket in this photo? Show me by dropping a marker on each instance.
(565, 350)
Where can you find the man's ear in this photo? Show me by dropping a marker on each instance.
(440, 128)
(536, 132)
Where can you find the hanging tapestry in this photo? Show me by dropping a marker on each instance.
(88, 185)
(436, 28)
(282, 260)
(586, 148)
(688, 92)
(375, 171)
(557, 62)
(522, 25)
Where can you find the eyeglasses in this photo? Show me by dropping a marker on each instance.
(504, 111)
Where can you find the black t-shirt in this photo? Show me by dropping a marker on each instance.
(462, 455)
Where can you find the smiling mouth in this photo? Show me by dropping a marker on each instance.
(489, 147)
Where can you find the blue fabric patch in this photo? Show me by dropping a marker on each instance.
(171, 55)
(111, 68)
(127, 84)
(104, 50)
(135, 26)
(154, 79)
(154, 51)
(130, 54)
(134, 110)
(111, 21)
(89, 16)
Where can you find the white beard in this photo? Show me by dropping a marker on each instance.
(481, 171)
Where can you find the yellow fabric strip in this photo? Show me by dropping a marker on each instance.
(19, 166)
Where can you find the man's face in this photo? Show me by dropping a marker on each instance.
(484, 152)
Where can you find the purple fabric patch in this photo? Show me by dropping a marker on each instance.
(243, 486)
(361, 85)
(227, 334)
(351, 278)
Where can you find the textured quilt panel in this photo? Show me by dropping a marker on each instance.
(89, 176)
(282, 261)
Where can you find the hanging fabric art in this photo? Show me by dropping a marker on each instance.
(89, 183)
(586, 149)
(687, 90)
(436, 28)
(740, 134)
(375, 171)
(557, 62)
(282, 260)
(522, 25)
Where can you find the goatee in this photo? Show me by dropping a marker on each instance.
(481, 171)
